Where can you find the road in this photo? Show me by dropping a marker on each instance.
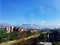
(16, 41)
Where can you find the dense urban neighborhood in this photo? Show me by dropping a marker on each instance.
(29, 22)
(25, 36)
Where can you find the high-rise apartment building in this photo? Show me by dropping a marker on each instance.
(11, 28)
(7, 28)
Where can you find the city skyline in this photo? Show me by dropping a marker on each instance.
(41, 12)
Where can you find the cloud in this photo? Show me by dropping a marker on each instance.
(27, 20)
(50, 24)
(56, 22)
(23, 20)
(12, 5)
(56, 4)
(43, 23)
(42, 10)
(45, 10)
(31, 16)
(49, 10)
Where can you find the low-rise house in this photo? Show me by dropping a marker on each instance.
(34, 31)
(44, 43)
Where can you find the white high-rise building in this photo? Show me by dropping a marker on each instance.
(11, 28)
(7, 29)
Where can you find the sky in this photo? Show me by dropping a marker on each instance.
(40, 12)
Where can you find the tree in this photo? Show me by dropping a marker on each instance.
(3, 36)
(42, 37)
(12, 35)
(56, 43)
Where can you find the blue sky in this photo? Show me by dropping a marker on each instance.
(41, 12)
